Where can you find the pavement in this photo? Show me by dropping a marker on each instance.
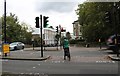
(35, 55)
(26, 54)
(111, 56)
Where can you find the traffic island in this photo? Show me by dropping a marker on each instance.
(31, 59)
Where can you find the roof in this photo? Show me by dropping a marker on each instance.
(75, 22)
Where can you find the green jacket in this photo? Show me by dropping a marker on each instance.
(65, 43)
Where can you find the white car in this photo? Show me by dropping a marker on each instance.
(17, 46)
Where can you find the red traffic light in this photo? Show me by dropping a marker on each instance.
(63, 30)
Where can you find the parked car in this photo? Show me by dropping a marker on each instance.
(111, 43)
(17, 46)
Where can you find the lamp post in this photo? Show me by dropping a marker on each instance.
(5, 21)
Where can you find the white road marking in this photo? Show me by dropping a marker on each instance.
(31, 73)
(37, 73)
(21, 73)
(34, 67)
(105, 61)
(39, 64)
(21, 50)
(31, 53)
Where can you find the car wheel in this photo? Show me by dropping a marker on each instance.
(23, 47)
(15, 48)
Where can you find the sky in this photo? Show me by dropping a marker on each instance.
(60, 12)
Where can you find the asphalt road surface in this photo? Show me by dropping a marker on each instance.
(84, 61)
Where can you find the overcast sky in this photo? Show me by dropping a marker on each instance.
(59, 12)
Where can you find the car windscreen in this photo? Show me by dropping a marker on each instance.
(13, 44)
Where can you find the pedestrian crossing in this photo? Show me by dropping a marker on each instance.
(58, 59)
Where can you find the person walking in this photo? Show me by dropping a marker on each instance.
(66, 49)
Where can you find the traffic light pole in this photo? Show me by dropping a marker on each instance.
(116, 28)
(5, 20)
(60, 41)
(41, 36)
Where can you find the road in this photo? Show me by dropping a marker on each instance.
(84, 61)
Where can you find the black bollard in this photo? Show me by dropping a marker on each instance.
(5, 54)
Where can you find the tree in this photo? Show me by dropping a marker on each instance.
(37, 40)
(16, 31)
(57, 36)
(92, 18)
(26, 34)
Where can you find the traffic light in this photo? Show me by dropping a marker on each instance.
(107, 17)
(37, 22)
(45, 21)
(57, 29)
(63, 30)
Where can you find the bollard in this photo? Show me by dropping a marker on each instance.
(88, 45)
(5, 54)
(100, 43)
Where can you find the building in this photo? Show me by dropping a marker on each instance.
(77, 30)
(72, 36)
(49, 36)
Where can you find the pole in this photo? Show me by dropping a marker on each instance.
(57, 41)
(41, 37)
(60, 41)
(57, 44)
(116, 28)
(100, 42)
(60, 38)
(33, 43)
(5, 23)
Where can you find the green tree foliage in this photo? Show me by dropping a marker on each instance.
(92, 18)
(16, 31)
(37, 41)
(57, 36)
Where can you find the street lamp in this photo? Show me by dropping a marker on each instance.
(5, 21)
